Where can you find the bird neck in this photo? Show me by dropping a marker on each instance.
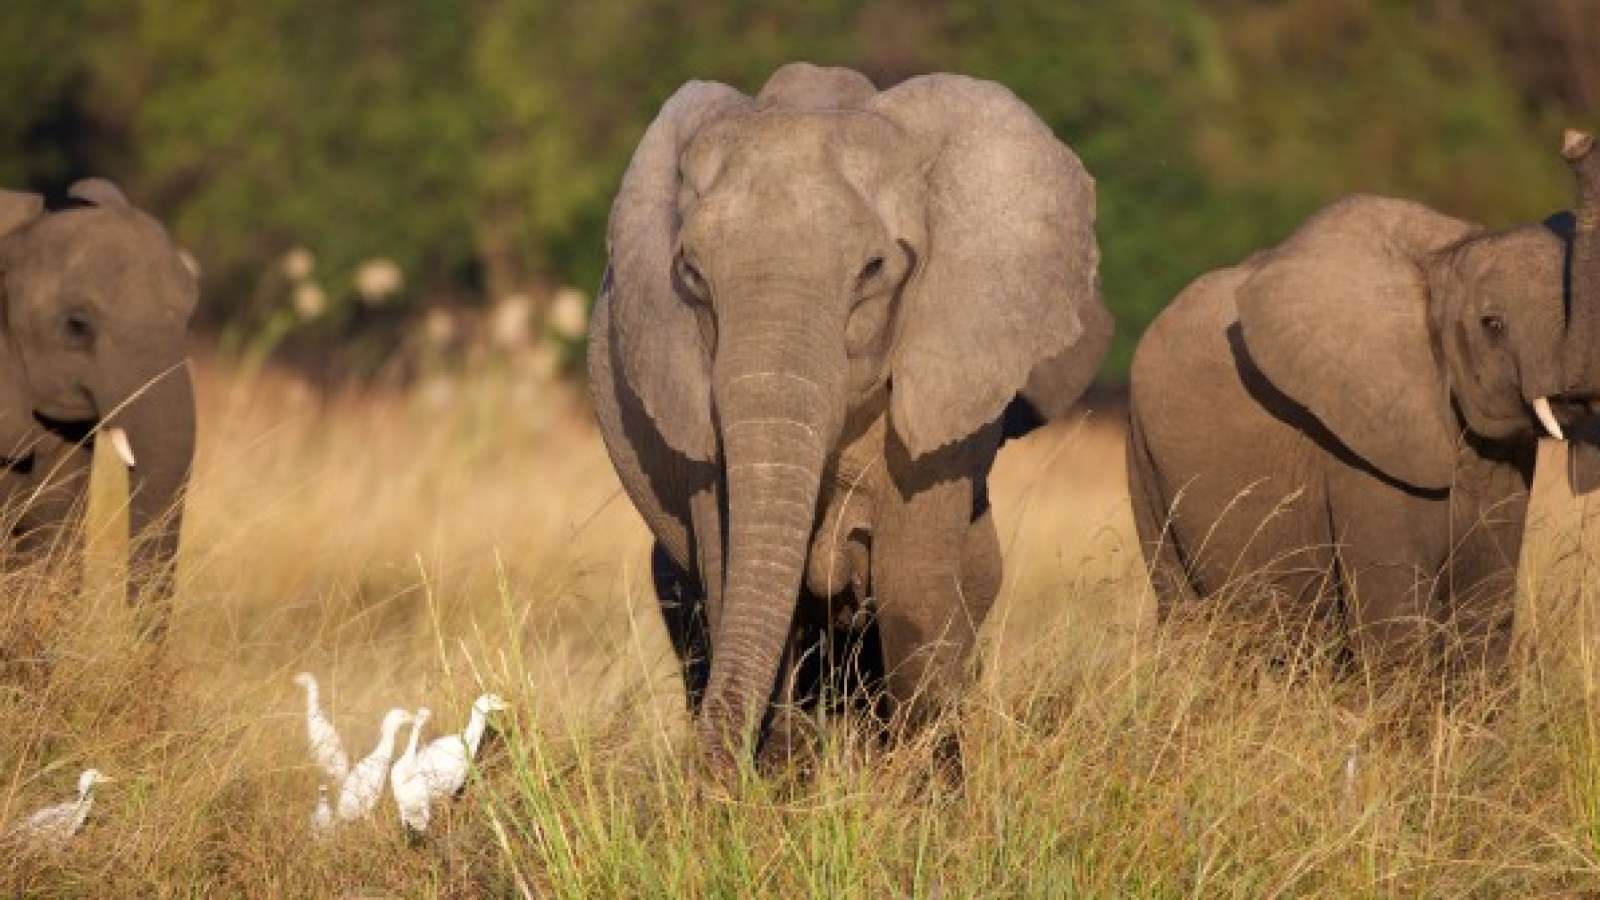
(386, 742)
(472, 735)
(416, 732)
(311, 696)
(81, 814)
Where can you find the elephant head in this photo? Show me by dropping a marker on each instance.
(96, 305)
(781, 262)
(1401, 328)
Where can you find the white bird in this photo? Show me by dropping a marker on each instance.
(54, 825)
(327, 751)
(444, 762)
(409, 787)
(360, 793)
(322, 816)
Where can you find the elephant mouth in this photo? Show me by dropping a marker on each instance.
(1559, 413)
(18, 465)
(84, 431)
(72, 431)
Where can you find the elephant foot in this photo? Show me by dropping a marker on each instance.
(792, 745)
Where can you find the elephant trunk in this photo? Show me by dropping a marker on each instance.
(1583, 367)
(157, 428)
(779, 396)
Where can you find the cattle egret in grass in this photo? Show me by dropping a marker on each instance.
(327, 751)
(54, 825)
(445, 761)
(360, 793)
(322, 815)
(409, 787)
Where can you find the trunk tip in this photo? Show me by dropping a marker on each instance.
(1575, 144)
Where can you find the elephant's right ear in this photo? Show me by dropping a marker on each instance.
(664, 358)
(1337, 318)
(18, 209)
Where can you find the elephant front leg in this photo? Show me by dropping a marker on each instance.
(935, 572)
(1387, 612)
(43, 521)
(47, 513)
(682, 605)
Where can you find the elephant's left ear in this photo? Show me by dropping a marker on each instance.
(1008, 296)
(18, 209)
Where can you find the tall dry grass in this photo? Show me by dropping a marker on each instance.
(415, 549)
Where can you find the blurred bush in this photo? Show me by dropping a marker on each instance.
(428, 156)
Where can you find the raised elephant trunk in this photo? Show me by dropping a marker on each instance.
(779, 399)
(1583, 369)
(158, 421)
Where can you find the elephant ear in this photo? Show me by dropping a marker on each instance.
(664, 357)
(1337, 318)
(18, 209)
(1009, 267)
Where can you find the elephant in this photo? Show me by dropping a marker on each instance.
(1339, 433)
(825, 308)
(96, 302)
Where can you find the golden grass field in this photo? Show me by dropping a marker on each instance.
(415, 548)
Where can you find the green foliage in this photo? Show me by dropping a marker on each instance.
(478, 144)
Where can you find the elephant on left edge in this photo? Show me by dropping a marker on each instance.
(95, 302)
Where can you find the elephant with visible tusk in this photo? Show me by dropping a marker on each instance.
(825, 308)
(96, 304)
(1343, 428)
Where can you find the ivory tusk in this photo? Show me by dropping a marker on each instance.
(1541, 408)
(119, 442)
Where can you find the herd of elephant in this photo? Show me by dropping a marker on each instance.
(826, 309)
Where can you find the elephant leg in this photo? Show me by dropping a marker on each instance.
(44, 519)
(1169, 580)
(1481, 580)
(1387, 608)
(682, 605)
(1480, 618)
(1392, 547)
(928, 610)
(51, 505)
(788, 730)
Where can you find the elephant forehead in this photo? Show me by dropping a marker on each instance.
(99, 255)
(1528, 261)
(792, 176)
(780, 142)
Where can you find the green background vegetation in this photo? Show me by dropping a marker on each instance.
(478, 144)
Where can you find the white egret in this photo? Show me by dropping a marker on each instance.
(327, 751)
(54, 825)
(362, 789)
(445, 761)
(409, 787)
(322, 816)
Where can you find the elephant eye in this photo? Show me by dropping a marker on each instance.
(870, 270)
(77, 327)
(1493, 324)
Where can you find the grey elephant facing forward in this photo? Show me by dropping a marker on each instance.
(1344, 427)
(825, 308)
(96, 307)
